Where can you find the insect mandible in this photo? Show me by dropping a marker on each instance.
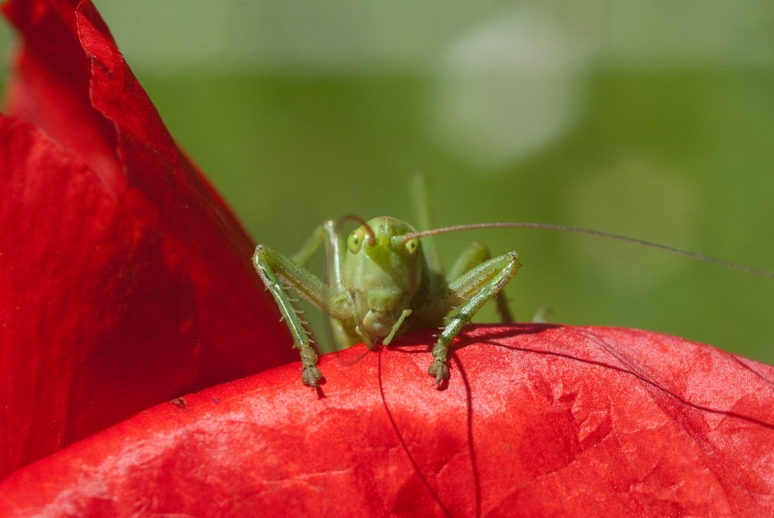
(383, 284)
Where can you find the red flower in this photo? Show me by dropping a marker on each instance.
(536, 421)
(124, 279)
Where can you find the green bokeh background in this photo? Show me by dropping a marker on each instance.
(663, 129)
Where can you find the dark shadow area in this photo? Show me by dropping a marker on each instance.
(403, 443)
(643, 378)
(464, 340)
(408, 343)
(471, 446)
(491, 335)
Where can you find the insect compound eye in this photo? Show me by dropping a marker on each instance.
(412, 247)
(355, 241)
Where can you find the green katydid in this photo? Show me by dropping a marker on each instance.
(383, 284)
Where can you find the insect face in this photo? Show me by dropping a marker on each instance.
(381, 276)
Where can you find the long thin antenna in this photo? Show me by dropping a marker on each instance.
(364, 223)
(595, 233)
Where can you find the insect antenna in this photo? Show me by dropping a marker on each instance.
(350, 363)
(596, 233)
(364, 223)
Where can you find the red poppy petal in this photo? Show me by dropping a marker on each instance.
(535, 421)
(125, 280)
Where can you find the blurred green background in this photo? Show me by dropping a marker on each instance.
(647, 118)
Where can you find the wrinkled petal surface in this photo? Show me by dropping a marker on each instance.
(124, 279)
(536, 420)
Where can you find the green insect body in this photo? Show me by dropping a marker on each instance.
(384, 281)
(382, 286)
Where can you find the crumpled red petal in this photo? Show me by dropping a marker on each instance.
(124, 279)
(536, 420)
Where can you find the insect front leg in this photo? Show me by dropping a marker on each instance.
(273, 266)
(345, 332)
(474, 254)
(472, 289)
